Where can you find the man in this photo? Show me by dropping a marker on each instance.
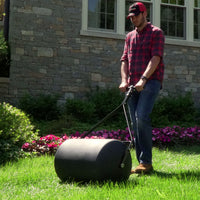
(142, 66)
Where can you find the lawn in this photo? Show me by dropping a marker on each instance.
(176, 176)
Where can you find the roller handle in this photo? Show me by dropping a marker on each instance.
(131, 90)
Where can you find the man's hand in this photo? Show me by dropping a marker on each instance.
(140, 85)
(123, 86)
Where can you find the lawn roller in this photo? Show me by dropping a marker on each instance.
(96, 159)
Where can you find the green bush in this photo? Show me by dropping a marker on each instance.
(42, 107)
(4, 57)
(179, 110)
(106, 100)
(15, 130)
(99, 103)
(80, 109)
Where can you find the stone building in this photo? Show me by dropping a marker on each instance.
(70, 47)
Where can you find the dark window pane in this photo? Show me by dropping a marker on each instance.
(180, 29)
(196, 32)
(110, 22)
(172, 1)
(128, 24)
(196, 24)
(110, 6)
(180, 14)
(101, 14)
(181, 2)
(102, 21)
(173, 21)
(172, 29)
(164, 27)
(102, 6)
(168, 13)
(197, 3)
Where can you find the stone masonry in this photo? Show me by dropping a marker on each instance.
(50, 56)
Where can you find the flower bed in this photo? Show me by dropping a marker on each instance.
(160, 137)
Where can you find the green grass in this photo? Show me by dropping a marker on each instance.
(176, 176)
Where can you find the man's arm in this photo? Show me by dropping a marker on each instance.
(151, 67)
(124, 76)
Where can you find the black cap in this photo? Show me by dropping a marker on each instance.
(136, 8)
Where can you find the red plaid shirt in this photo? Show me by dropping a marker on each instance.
(139, 48)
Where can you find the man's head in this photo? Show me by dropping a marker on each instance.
(138, 15)
(135, 9)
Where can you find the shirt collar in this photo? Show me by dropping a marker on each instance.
(144, 29)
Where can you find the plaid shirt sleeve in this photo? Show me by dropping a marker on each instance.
(125, 52)
(157, 43)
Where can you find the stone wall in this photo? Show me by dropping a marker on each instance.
(50, 56)
(182, 68)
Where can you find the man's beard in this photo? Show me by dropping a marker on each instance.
(141, 23)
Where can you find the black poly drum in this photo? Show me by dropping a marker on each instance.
(92, 160)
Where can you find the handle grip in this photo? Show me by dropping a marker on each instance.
(130, 90)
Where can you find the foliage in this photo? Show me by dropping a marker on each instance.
(47, 144)
(106, 100)
(80, 115)
(176, 135)
(59, 126)
(15, 129)
(179, 110)
(168, 111)
(80, 109)
(4, 57)
(42, 107)
(98, 104)
(167, 136)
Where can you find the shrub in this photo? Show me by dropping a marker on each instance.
(42, 107)
(15, 129)
(58, 126)
(106, 101)
(4, 57)
(80, 109)
(178, 110)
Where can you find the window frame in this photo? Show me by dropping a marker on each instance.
(120, 33)
(107, 29)
(196, 9)
(184, 25)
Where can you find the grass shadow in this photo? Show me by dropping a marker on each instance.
(184, 149)
(183, 175)
(102, 183)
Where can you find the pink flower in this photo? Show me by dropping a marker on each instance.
(25, 145)
(65, 137)
(50, 138)
(161, 136)
(52, 145)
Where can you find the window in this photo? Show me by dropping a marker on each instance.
(101, 14)
(197, 19)
(173, 18)
(179, 19)
(128, 24)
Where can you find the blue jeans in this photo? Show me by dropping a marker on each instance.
(140, 107)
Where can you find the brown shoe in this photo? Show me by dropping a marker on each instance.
(142, 168)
